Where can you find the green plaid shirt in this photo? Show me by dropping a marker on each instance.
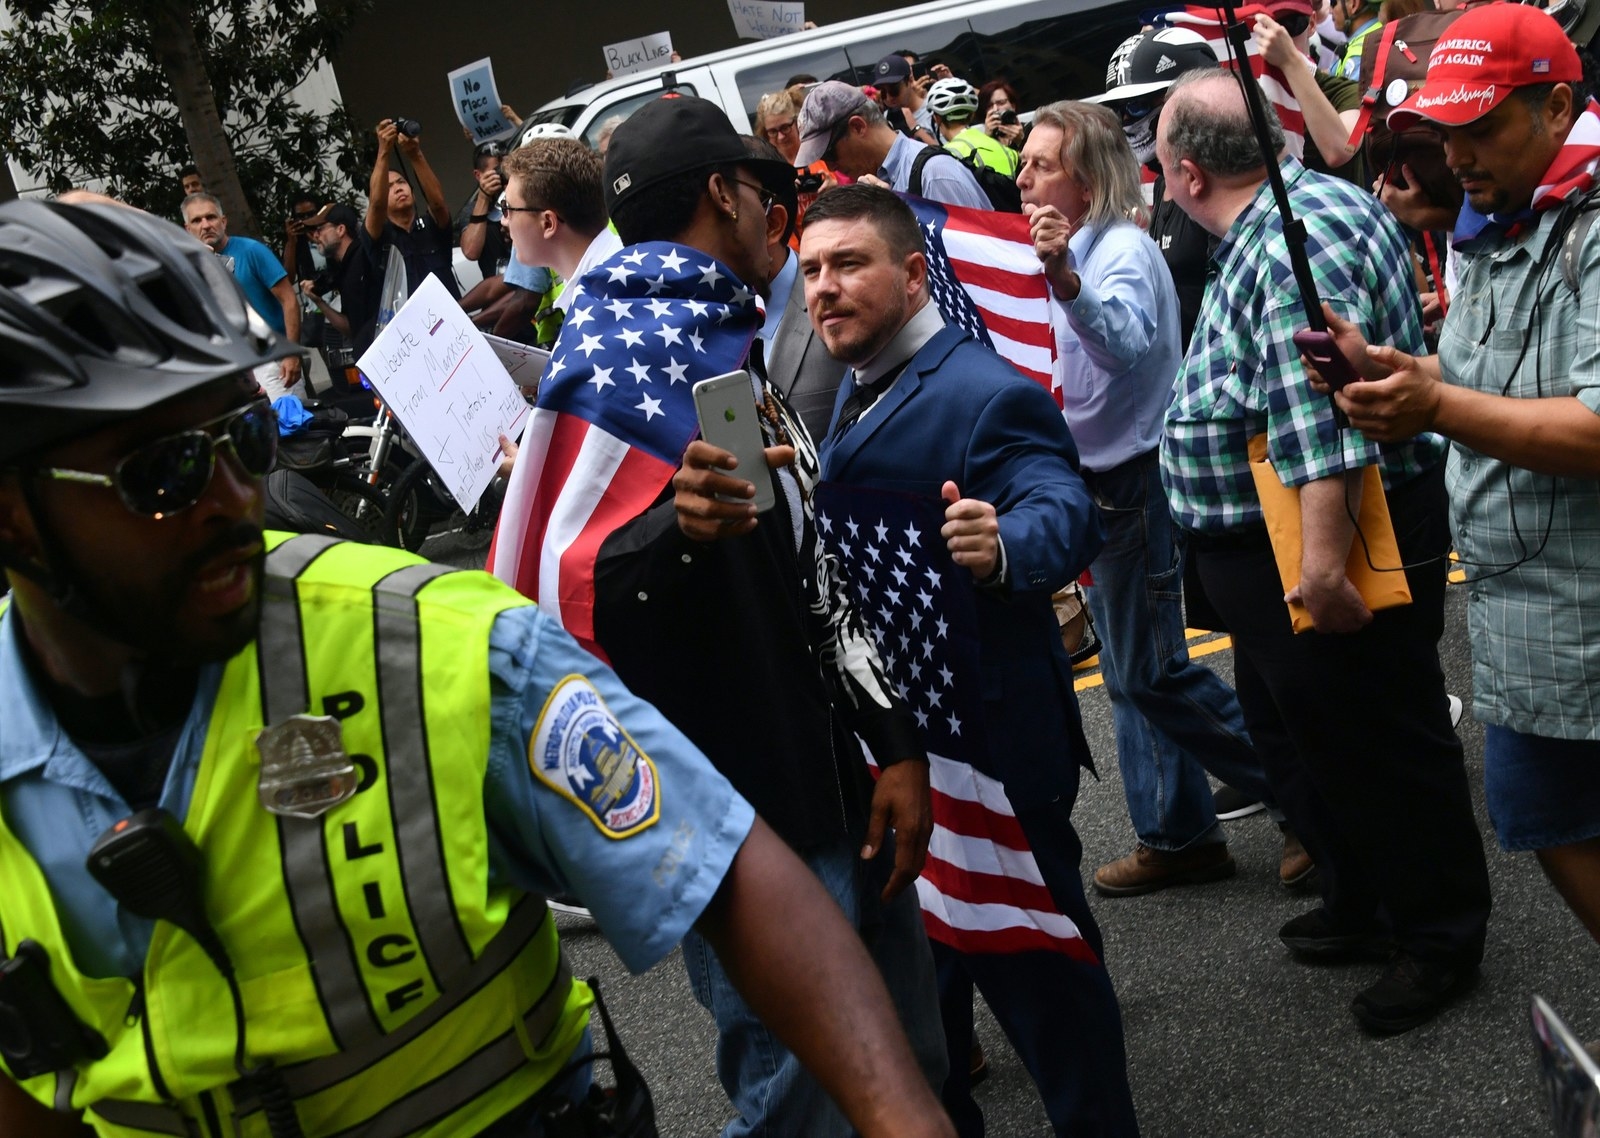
(1516, 329)
(1242, 376)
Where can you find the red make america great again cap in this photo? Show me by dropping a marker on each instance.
(1484, 56)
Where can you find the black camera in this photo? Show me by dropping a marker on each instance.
(807, 182)
(408, 127)
(1008, 118)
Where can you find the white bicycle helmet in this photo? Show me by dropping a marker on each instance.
(953, 99)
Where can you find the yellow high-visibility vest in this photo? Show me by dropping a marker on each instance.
(393, 987)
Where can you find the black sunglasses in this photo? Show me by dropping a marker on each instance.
(169, 475)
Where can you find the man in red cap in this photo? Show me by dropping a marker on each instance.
(1516, 386)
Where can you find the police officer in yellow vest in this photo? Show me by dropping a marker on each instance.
(380, 766)
(953, 103)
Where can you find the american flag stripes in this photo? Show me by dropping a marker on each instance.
(615, 414)
(985, 278)
(981, 889)
(1209, 22)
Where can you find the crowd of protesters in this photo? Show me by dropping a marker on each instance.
(1208, 460)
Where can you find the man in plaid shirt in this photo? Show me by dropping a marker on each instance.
(1516, 387)
(1351, 719)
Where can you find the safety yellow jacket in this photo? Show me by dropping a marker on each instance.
(993, 153)
(395, 989)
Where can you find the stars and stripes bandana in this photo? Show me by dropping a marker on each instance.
(1571, 175)
(981, 889)
(615, 415)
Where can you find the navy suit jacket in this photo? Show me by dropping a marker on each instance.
(958, 412)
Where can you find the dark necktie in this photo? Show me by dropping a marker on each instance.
(863, 397)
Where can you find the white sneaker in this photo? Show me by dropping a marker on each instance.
(1455, 710)
(570, 907)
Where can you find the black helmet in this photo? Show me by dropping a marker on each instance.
(106, 312)
(1153, 63)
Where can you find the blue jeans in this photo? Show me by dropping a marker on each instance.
(775, 1096)
(1175, 719)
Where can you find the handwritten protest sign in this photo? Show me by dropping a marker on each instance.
(637, 54)
(764, 19)
(450, 392)
(477, 102)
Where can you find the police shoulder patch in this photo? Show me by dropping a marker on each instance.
(584, 754)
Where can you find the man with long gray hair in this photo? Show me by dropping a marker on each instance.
(1119, 343)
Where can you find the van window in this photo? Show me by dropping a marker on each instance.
(1047, 49)
(625, 106)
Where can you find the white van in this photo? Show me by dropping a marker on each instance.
(1047, 49)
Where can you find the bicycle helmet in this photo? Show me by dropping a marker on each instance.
(106, 312)
(953, 100)
(544, 130)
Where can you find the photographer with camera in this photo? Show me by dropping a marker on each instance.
(298, 259)
(478, 229)
(351, 272)
(392, 218)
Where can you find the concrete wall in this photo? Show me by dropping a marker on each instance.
(395, 60)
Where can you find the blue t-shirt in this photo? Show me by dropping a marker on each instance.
(257, 269)
(645, 890)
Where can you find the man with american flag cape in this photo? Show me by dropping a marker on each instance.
(735, 626)
(933, 419)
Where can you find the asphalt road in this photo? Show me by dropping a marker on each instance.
(1226, 1034)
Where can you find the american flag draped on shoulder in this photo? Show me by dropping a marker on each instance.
(1209, 22)
(615, 414)
(981, 889)
(986, 279)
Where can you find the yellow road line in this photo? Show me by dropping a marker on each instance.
(1088, 672)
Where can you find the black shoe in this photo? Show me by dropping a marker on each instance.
(1410, 993)
(1315, 936)
(1231, 803)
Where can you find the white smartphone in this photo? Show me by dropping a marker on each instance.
(729, 419)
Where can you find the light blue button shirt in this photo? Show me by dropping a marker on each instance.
(778, 302)
(943, 179)
(645, 891)
(1118, 345)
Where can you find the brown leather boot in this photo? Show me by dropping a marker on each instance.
(1296, 868)
(1145, 870)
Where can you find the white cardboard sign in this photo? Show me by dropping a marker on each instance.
(637, 54)
(766, 19)
(450, 391)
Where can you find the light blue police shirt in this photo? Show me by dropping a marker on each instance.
(645, 890)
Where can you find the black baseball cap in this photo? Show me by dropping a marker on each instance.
(336, 213)
(674, 135)
(891, 69)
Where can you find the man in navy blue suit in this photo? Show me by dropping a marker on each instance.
(930, 411)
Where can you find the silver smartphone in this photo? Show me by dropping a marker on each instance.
(729, 419)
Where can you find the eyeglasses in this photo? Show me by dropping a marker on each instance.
(829, 156)
(169, 475)
(508, 209)
(778, 130)
(768, 198)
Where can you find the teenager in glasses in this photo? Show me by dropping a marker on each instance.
(159, 650)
